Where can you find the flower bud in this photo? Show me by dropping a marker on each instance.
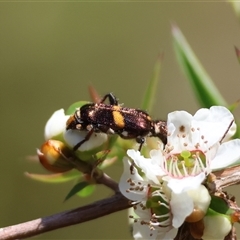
(201, 200)
(195, 216)
(97, 142)
(216, 227)
(53, 156)
(56, 125)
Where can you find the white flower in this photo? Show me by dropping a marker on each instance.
(204, 129)
(160, 211)
(56, 129)
(154, 209)
(194, 149)
(227, 155)
(171, 191)
(150, 166)
(195, 145)
(73, 137)
(56, 125)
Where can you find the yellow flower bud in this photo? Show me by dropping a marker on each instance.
(53, 156)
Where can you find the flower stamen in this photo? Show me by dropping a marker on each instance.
(186, 163)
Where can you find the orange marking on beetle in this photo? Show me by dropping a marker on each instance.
(149, 118)
(70, 120)
(118, 117)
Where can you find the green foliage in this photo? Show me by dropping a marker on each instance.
(202, 85)
(79, 189)
(87, 191)
(150, 93)
(54, 178)
(219, 205)
(236, 7)
(71, 110)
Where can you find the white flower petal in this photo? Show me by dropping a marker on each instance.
(230, 132)
(177, 121)
(56, 124)
(141, 231)
(144, 232)
(215, 113)
(181, 207)
(206, 127)
(170, 235)
(228, 154)
(213, 123)
(184, 184)
(149, 167)
(73, 137)
(142, 213)
(124, 182)
(201, 114)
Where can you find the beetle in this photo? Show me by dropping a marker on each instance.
(112, 118)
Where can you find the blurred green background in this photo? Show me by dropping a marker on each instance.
(51, 52)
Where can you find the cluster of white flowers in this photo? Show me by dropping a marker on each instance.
(167, 187)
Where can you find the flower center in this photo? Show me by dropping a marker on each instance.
(158, 204)
(186, 163)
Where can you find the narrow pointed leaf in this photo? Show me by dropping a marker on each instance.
(150, 93)
(203, 86)
(76, 188)
(88, 190)
(55, 177)
(236, 7)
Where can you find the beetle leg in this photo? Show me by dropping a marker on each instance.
(112, 99)
(141, 141)
(89, 134)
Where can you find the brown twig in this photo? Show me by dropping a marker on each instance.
(118, 202)
(92, 171)
(225, 178)
(108, 182)
(82, 214)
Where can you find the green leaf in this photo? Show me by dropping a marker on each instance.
(237, 134)
(236, 6)
(150, 93)
(76, 188)
(219, 205)
(203, 86)
(55, 177)
(232, 108)
(71, 110)
(88, 190)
